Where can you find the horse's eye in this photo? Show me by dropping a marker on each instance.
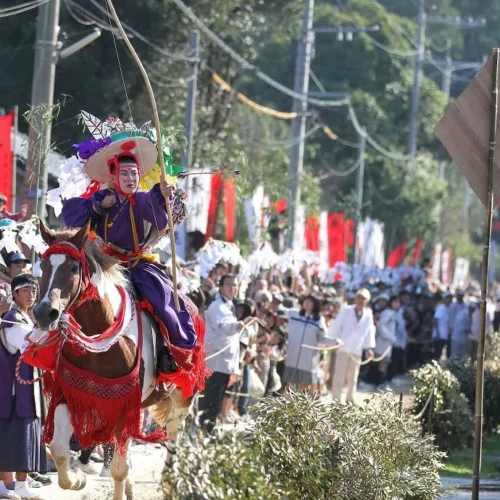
(74, 269)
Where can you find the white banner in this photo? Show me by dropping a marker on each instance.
(461, 273)
(436, 262)
(300, 226)
(371, 244)
(446, 267)
(198, 191)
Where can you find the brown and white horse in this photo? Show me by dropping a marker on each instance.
(60, 286)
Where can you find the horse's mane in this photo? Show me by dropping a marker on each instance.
(97, 259)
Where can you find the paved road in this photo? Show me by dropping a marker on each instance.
(147, 463)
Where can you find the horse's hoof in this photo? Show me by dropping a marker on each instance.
(80, 480)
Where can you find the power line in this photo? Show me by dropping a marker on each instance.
(93, 19)
(249, 66)
(142, 38)
(14, 11)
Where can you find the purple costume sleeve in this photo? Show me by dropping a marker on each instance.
(76, 212)
(152, 207)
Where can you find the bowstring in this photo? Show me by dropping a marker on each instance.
(130, 107)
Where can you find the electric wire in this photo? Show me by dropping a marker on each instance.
(10, 12)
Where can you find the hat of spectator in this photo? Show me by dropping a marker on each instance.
(16, 257)
(363, 292)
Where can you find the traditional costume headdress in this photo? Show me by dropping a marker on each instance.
(88, 170)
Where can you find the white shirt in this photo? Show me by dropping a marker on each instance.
(356, 335)
(222, 332)
(442, 316)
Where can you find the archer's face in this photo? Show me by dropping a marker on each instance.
(128, 178)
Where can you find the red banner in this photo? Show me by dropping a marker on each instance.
(415, 256)
(311, 233)
(213, 208)
(397, 256)
(336, 238)
(230, 208)
(6, 157)
(278, 206)
(349, 231)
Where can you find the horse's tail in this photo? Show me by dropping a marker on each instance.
(161, 411)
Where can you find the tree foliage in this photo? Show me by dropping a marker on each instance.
(379, 80)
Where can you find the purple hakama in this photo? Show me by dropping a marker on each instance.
(132, 227)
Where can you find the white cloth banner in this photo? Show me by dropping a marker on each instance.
(461, 272)
(324, 252)
(254, 215)
(371, 243)
(198, 191)
(300, 226)
(446, 267)
(436, 262)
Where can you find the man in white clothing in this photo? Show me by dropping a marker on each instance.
(222, 344)
(440, 326)
(355, 328)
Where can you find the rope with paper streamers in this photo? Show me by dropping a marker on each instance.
(282, 115)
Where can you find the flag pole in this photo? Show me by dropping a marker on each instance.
(478, 420)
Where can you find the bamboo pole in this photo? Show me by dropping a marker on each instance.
(478, 420)
(159, 142)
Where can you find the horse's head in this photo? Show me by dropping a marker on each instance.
(62, 278)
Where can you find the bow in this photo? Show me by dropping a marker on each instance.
(158, 139)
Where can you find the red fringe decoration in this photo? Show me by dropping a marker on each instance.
(101, 410)
(193, 371)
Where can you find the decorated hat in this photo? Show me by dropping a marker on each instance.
(112, 138)
(87, 170)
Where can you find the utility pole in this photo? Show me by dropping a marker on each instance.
(194, 55)
(189, 124)
(44, 71)
(448, 68)
(419, 59)
(360, 181)
(297, 140)
(417, 80)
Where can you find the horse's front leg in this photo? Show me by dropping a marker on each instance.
(59, 449)
(119, 472)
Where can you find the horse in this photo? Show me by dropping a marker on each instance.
(61, 288)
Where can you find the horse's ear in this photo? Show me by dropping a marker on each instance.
(81, 236)
(47, 234)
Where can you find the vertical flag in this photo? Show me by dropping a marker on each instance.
(436, 262)
(198, 191)
(6, 157)
(397, 256)
(323, 239)
(213, 208)
(312, 233)
(230, 208)
(446, 267)
(336, 238)
(415, 256)
(300, 222)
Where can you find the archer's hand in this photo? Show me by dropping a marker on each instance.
(109, 201)
(23, 211)
(166, 189)
(369, 354)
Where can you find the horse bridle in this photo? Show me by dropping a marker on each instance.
(67, 248)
